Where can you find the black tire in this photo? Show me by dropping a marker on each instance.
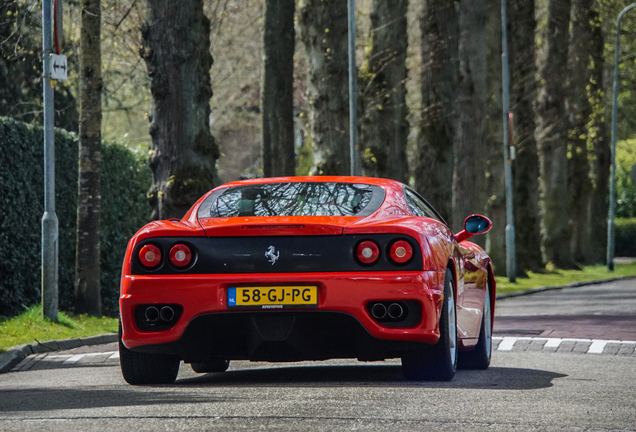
(479, 357)
(216, 365)
(141, 368)
(437, 362)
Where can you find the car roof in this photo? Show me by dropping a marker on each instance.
(317, 179)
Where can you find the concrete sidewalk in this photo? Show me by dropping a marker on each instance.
(15, 355)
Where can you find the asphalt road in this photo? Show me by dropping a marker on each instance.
(529, 387)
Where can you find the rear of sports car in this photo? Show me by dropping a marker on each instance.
(276, 272)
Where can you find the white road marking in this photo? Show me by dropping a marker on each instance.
(73, 359)
(507, 343)
(597, 346)
(114, 356)
(71, 355)
(553, 343)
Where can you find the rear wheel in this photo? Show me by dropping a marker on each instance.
(479, 357)
(438, 362)
(216, 365)
(141, 368)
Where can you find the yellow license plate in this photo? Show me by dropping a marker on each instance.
(275, 296)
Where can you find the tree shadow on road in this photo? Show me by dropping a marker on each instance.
(186, 390)
(496, 378)
(47, 399)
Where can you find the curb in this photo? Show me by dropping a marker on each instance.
(564, 345)
(13, 356)
(558, 287)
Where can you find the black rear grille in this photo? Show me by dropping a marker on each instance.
(276, 254)
(279, 336)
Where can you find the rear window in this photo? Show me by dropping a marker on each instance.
(293, 199)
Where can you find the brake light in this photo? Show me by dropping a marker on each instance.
(401, 252)
(180, 255)
(368, 252)
(150, 255)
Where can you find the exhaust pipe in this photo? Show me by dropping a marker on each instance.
(152, 314)
(395, 311)
(378, 311)
(166, 314)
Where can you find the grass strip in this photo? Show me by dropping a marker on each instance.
(563, 277)
(31, 327)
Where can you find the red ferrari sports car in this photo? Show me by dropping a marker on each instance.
(306, 268)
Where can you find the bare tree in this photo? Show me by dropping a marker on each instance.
(551, 137)
(494, 177)
(87, 264)
(469, 148)
(183, 153)
(277, 94)
(522, 56)
(21, 68)
(324, 33)
(384, 128)
(580, 111)
(439, 80)
(598, 140)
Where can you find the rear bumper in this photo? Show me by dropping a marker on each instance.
(339, 327)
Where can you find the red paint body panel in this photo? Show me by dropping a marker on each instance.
(268, 226)
(347, 292)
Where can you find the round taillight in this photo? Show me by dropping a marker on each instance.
(180, 255)
(401, 252)
(150, 255)
(367, 252)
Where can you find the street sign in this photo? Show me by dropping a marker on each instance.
(59, 69)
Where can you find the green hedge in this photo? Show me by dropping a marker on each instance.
(625, 237)
(125, 180)
(625, 186)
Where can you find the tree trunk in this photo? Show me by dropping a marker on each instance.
(384, 126)
(277, 102)
(183, 153)
(522, 56)
(469, 149)
(580, 111)
(552, 138)
(495, 174)
(598, 140)
(440, 77)
(324, 29)
(87, 265)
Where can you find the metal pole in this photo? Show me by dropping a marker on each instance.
(612, 197)
(511, 254)
(353, 92)
(49, 219)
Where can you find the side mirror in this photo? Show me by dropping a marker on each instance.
(474, 224)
